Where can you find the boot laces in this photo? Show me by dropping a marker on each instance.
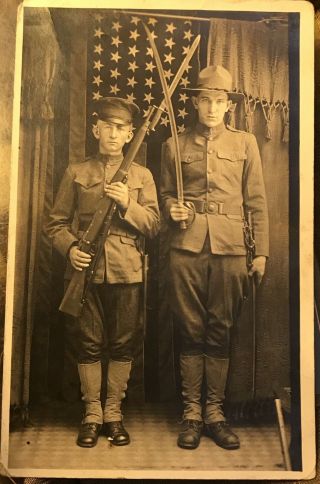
(192, 425)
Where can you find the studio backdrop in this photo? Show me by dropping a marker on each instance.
(69, 61)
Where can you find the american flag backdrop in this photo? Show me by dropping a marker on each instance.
(120, 63)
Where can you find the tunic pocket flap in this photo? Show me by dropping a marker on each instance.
(88, 180)
(127, 240)
(231, 155)
(134, 184)
(193, 156)
(234, 217)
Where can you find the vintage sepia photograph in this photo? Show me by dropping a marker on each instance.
(159, 304)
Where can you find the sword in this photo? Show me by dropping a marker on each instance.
(172, 120)
(176, 80)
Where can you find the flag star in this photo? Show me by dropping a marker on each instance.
(181, 129)
(182, 113)
(98, 33)
(188, 34)
(98, 65)
(115, 73)
(149, 51)
(150, 66)
(116, 41)
(145, 112)
(148, 97)
(98, 49)
(96, 96)
(184, 81)
(133, 66)
(97, 80)
(152, 21)
(188, 67)
(114, 89)
(169, 58)
(130, 97)
(170, 27)
(183, 97)
(98, 17)
(169, 42)
(133, 50)
(185, 49)
(134, 35)
(131, 81)
(134, 20)
(149, 82)
(153, 35)
(116, 26)
(168, 74)
(165, 121)
(115, 56)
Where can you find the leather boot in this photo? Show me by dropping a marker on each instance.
(90, 379)
(118, 376)
(216, 371)
(191, 369)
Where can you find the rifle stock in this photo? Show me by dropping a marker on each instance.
(72, 301)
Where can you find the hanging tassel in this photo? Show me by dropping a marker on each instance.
(248, 114)
(231, 116)
(267, 117)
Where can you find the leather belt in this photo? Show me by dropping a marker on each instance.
(220, 208)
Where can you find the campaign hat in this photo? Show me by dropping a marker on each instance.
(215, 78)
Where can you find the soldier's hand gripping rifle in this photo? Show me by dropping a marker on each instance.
(92, 241)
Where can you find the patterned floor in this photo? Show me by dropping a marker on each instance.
(50, 444)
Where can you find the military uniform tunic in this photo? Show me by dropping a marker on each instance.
(117, 282)
(222, 176)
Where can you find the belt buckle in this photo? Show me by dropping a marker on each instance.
(211, 207)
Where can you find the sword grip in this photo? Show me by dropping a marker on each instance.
(183, 225)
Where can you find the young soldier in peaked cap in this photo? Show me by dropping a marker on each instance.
(222, 177)
(111, 314)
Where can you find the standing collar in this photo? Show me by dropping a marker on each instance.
(210, 133)
(110, 159)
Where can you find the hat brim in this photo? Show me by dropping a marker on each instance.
(233, 95)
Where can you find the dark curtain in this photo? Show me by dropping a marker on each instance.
(32, 275)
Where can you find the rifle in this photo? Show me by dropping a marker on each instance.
(75, 295)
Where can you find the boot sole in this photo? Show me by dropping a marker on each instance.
(87, 446)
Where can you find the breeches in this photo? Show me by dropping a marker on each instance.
(109, 322)
(206, 295)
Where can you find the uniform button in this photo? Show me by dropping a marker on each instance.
(209, 171)
(210, 190)
(210, 152)
(210, 138)
(211, 206)
(107, 166)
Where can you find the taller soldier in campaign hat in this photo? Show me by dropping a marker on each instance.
(208, 275)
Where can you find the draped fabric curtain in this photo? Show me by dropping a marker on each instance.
(32, 276)
(256, 54)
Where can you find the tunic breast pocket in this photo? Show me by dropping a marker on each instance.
(231, 158)
(90, 192)
(193, 164)
(230, 164)
(134, 187)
